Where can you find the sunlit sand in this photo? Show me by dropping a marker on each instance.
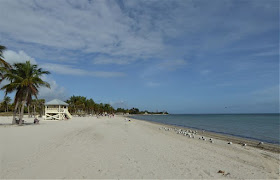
(90, 147)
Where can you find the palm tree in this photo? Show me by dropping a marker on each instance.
(25, 79)
(34, 104)
(6, 103)
(2, 48)
(41, 106)
(81, 105)
(38, 106)
(2, 61)
(3, 64)
(90, 106)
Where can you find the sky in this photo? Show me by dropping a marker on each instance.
(181, 56)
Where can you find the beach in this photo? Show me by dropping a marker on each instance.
(94, 148)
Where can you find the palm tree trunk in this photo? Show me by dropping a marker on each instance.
(22, 109)
(21, 112)
(28, 110)
(41, 110)
(34, 110)
(15, 113)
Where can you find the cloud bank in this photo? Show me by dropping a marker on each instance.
(121, 32)
(70, 70)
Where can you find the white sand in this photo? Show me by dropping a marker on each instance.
(88, 148)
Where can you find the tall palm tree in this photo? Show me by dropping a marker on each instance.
(25, 79)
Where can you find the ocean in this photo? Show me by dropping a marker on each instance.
(261, 127)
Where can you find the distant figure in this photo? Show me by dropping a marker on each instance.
(36, 121)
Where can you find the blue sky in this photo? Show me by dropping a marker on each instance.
(181, 56)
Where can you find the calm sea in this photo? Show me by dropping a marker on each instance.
(262, 127)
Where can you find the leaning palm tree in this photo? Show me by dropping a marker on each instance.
(25, 79)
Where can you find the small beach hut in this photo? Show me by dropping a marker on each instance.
(57, 110)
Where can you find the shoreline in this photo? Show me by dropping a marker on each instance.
(224, 137)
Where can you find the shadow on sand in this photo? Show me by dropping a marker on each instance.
(24, 124)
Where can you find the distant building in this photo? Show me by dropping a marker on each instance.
(56, 110)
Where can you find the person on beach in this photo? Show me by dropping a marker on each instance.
(36, 121)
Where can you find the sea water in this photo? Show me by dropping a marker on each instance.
(261, 127)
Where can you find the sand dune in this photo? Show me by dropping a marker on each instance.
(90, 147)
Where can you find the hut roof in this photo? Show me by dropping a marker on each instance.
(56, 102)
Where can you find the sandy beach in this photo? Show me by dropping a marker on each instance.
(93, 148)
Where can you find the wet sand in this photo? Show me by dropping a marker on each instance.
(237, 140)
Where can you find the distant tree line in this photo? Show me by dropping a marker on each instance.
(82, 105)
(35, 107)
(77, 105)
(137, 111)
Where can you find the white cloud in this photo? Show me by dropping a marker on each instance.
(139, 29)
(100, 27)
(123, 32)
(64, 69)
(55, 92)
(112, 60)
(17, 57)
(70, 70)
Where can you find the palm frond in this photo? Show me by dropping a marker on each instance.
(2, 48)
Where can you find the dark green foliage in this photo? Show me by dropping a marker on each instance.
(81, 105)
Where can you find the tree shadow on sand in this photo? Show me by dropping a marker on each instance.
(16, 125)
